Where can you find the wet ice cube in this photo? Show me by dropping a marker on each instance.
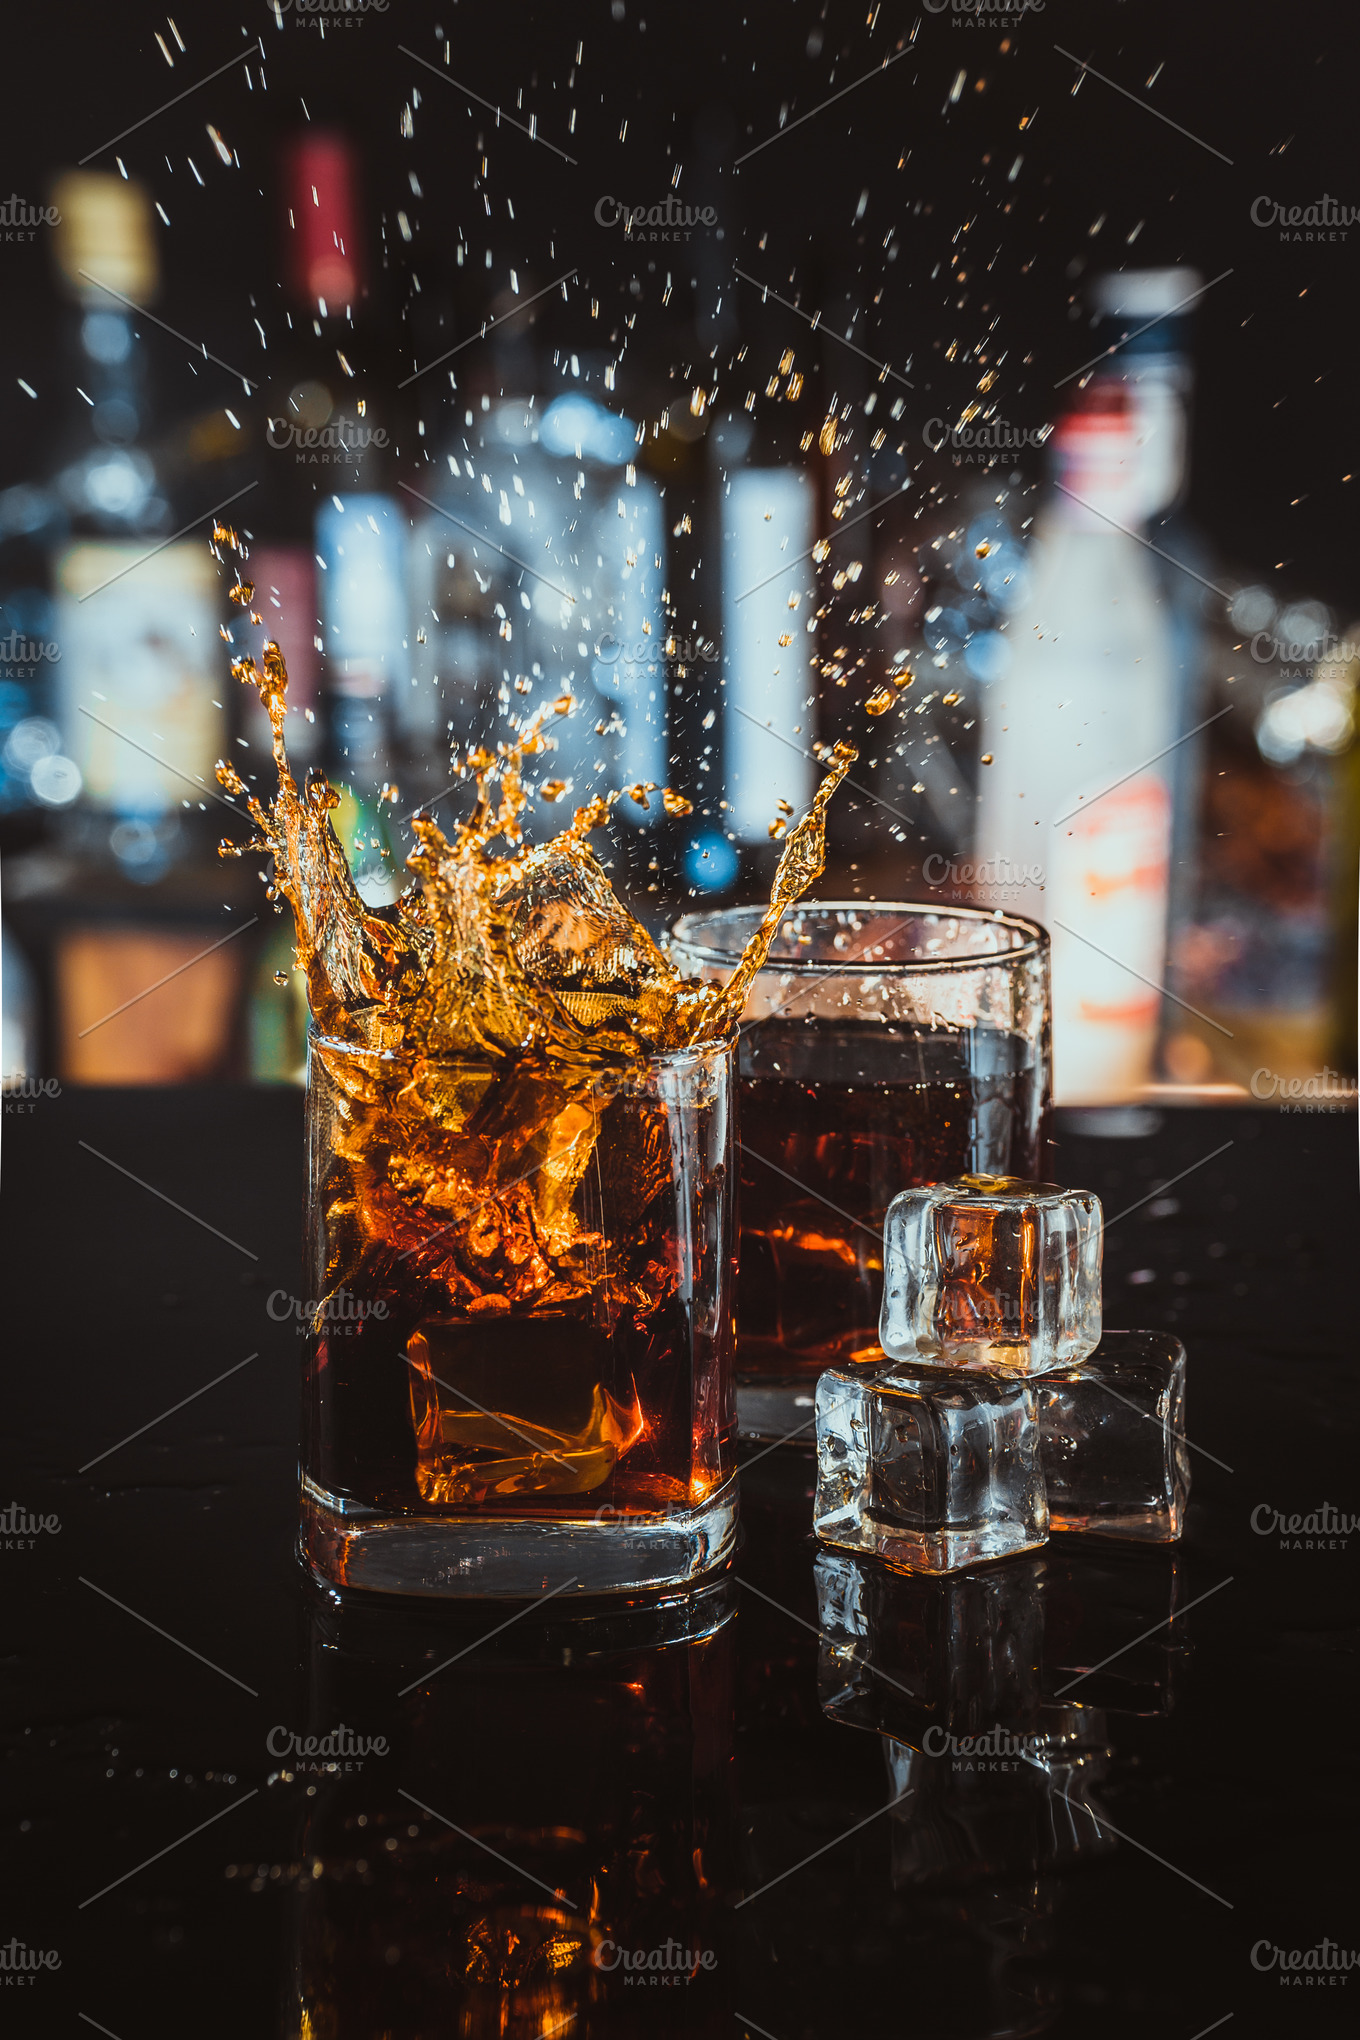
(993, 1273)
(932, 1472)
(1113, 1432)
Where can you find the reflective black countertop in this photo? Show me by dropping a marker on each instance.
(704, 1817)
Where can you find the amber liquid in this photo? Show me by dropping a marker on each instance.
(612, 1401)
(845, 1116)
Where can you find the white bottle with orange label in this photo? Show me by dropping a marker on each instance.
(1078, 787)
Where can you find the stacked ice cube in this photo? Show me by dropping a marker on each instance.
(1001, 1411)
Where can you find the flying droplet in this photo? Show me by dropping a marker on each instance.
(564, 704)
(986, 758)
(826, 438)
(675, 803)
(879, 702)
(552, 789)
(982, 550)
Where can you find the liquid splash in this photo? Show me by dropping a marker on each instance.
(477, 1042)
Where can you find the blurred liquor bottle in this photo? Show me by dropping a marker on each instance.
(360, 534)
(1145, 317)
(1078, 733)
(539, 568)
(1268, 957)
(326, 556)
(126, 913)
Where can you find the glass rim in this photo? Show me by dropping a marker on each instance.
(1035, 944)
(663, 1059)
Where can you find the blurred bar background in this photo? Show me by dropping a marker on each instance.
(1007, 455)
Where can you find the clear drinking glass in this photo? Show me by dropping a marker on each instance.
(472, 1428)
(884, 1046)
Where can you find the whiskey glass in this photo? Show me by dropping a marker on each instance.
(471, 1428)
(884, 1045)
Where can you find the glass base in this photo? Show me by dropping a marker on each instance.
(513, 1558)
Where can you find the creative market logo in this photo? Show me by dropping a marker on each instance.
(338, 1316)
(342, 439)
(985, 13)
(338, 1749)
(1322, 1529)
(1305, 1967)
(324, 14)
(647, 653)
(1325, 219)
(995, 443)
(1326, 1090)
(1323, 648)
(20, 221)
(993, 875)
(667, 219)
(22, 1093)
(669, 1965)
(20, 1531)
(22, 654)
(20, 1964)
(995, 1749)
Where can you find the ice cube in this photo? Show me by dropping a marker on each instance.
(933, 1472)
(1113, 1439)
(993, 1273)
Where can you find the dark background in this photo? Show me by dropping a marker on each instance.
(1271, 88)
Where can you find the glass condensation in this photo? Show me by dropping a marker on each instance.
(470, 1428)
(883, 1046)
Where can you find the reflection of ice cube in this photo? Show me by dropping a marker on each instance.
(1113, 1439)
(902, 1654)
(1002, 1806)
(992, 1273)
(1112, 1638)
(932, 1472)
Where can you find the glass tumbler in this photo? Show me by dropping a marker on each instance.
(884, 1045)
(534, 1394)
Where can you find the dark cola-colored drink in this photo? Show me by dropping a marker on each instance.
(835, 1120)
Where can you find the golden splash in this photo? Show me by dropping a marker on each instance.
(474, 1033)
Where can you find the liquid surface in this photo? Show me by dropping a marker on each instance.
(860, 1113)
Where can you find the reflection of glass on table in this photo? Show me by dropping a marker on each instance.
(559, 1797)
(884, 1046)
